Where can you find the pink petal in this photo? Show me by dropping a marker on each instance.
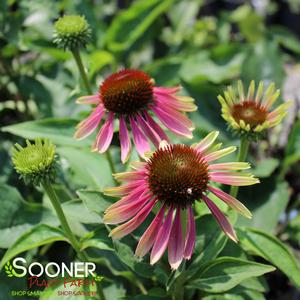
(175, 103)
(174, 121)
(162, 238)
(123, 213)
(221, 219)
(130, 176)
(148, 238)
(86, 127)
(124, 140)
(139, 138)
(105, 135)
(230, 201)
(231, 178)
(138, 165)
(190, 235)
(92, 99)
(218, 154)
(166, 91)
(156, 127)
(151, 134)
(176, 243)
(131, 225)
(122, 190)
(231, 166)
(134, 194)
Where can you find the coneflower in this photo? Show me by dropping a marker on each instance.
(251, 113)
(172, 179)
(131, 96)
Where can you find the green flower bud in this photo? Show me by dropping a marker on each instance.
(71, 32)
(35, 162)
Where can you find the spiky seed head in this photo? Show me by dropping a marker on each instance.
(71, 32)
(36, 161)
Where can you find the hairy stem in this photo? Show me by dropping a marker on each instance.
(83, 75)
(66, 228)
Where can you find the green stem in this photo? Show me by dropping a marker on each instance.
(62, 218)
(178, 292)
(78, 60)
(66, 228)
(243, 151)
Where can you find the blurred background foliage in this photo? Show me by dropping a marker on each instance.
(204, 46)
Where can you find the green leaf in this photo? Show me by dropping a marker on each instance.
(130, 25)
(224, 273)
(269, 247)
(11, 206)
(265, 167)
(77, 214)
(200, 68)
(59, 131)
(95, 201)
(115, 291)
(98, 243)
(100, 59)
(98, 239)
(32, 88)
(292, 151)
(182, 24)
(293, 229)
(263, 62)
(18, 216)
(241, 295)
(35, 237)
(286, 38)
(266, 201)
(75, 209)
(250, 23)
(256, 284)
(126, 255)
(87, 168)
(165, 70)
(209, 243)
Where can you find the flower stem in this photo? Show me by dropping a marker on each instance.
(62, 218)
(178, 292)
(66, 228)
(243, 151)
(83, 75)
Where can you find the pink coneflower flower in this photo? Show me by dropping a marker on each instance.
(129, 96)
(172, 179)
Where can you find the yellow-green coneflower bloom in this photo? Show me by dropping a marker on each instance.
(35, 162)
(250, 114)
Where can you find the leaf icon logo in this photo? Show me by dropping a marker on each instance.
(10, 272)
(9, 269)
